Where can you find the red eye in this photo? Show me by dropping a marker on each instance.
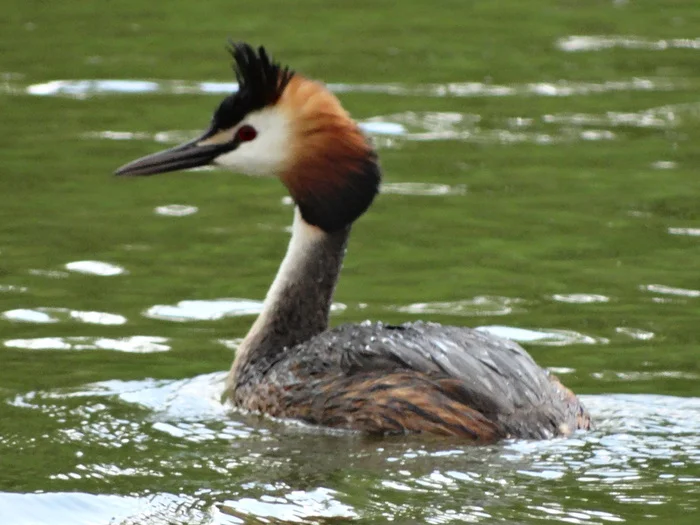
(246, 133)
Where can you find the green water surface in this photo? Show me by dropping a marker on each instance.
(535, 180)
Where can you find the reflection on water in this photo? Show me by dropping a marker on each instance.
(11, 288)
(392, 136)
(561, 88)
(547, 337)
(55, 315)
(480, 305)
(163, 137)
(423, 189)
(233, 344)
(138, 344)
(80, 508)
(211, 309)
(422, 126)
(635, 333)
(51, 274)
(580, 298)
(694, 232)
(176, 210)
(298, 506)
(615, 377)
(650, 118)
(194, 399)
(553, 128)
(664, 165)
(28, 316)
(382, 128)
(204, 310)
(599, 43)
(670, 290)
(95, 268)
(262, 470)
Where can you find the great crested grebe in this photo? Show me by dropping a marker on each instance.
(372, 377)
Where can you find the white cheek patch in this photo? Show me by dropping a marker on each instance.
(265, 155)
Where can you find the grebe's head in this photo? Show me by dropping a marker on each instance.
(283, 125)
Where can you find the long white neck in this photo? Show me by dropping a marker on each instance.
(297, 304)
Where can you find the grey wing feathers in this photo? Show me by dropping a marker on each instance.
(489, 366)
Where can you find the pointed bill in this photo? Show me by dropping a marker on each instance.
(198, 152)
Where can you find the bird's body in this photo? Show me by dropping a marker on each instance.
(371, 377)
(415, 377)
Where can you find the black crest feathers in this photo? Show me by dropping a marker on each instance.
(260, 83)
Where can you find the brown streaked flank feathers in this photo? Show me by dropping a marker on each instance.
(379, 403)
(415, 377)
(397, 403)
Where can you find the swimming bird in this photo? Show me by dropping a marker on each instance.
(418, 377)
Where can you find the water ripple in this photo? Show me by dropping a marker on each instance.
(670, 290)
(176, 210)
(79, 508)
(26, 315)
(693, 232)
(285, 472)
(649, 118)
(543, 336)
(11, 288)
(138, 344)
(575, 43)
(204, 310)
(419, 126)
(635, 333)
(424, 189)
(82, 89)
(51, 274)
(422, 126)
(479, 305)
(664, 165)
(55, 315)
(580, 298)
(162, 137)
(95, 268)
(616, 376)
(211, 309)
(299, 506)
